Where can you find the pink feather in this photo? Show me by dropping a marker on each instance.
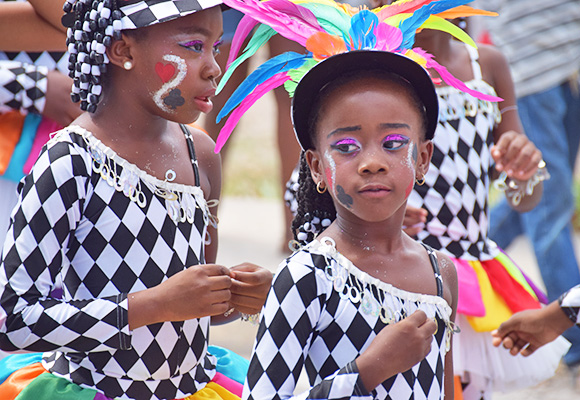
(244, 28)
(259, 91)
(389, 38)
(401, 7)
(450, 79)
(295, 30)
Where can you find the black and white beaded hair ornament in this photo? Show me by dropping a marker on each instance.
(94, 24)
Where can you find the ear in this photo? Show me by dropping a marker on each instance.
(314, 161)
(424, 157)
(119, 51)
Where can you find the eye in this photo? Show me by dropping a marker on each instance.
(216, 47)
(345, 146)
(194, 45)
(395, 142)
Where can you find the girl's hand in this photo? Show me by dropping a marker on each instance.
(515, 154)
(414, 220)
(198, 291)
(250, 287)
(396, 349)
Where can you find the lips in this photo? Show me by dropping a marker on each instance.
(374, 190)
(203, 102)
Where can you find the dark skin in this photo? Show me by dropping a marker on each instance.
(134, 121)
(355, 151)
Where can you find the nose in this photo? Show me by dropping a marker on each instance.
(212, 69)
(373, 162)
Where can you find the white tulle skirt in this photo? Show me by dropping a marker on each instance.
(474, 355)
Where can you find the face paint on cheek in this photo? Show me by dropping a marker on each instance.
(330, 171)
(412, 156)
(343, 197)
(168, 98)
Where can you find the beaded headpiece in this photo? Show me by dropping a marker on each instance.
(326, 28)
(92, 26)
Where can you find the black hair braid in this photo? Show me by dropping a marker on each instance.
(315, 210)
(94, 26)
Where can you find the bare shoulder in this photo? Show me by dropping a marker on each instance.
(449, 275)
(493, 62)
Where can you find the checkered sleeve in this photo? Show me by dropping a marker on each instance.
(570, 304)
(48, 212)
(22, 87)
(290, 319)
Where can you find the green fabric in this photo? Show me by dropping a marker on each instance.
(51, 387)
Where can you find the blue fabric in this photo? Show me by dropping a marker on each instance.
(231, 20)
(551, 119)
(13, 362)
(230, 364)
(15, 170)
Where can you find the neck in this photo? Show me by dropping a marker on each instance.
(384, 236)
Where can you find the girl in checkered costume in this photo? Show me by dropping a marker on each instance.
(364, 308)
(120, 208)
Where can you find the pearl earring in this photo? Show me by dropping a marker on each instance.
(128, 65)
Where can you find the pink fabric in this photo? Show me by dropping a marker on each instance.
(469, 301)
(227, 383)
(46, 127)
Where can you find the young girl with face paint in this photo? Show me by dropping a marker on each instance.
(120, 209)
(367, 310)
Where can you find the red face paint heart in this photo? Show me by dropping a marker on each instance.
(165, 71)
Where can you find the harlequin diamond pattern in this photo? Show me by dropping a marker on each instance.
(306, 323)
(456, 186)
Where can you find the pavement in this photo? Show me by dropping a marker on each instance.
(251, 230)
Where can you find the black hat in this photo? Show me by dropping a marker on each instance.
(336, 66)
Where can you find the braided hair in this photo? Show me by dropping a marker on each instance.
(92, 26)
(315, 211)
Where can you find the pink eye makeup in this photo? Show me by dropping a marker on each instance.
(195, 45)
(346, 145)
(395, 141)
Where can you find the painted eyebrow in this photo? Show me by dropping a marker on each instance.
(345, 129)
(394, 125)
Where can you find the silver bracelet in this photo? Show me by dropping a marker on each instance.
(251, 318)
(515, 190)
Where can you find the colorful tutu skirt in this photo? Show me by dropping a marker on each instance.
(22, 377)
(490, 292)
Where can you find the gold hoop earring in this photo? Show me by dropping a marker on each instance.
(318, 189)
(420, 182)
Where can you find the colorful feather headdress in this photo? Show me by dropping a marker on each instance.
(326, 28)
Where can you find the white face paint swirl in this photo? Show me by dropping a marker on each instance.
(332, 165)
(171, 84)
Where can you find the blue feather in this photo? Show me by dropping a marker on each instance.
(410, 25)
(280, 63)
(362, 28)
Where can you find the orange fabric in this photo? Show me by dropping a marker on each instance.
(11, 124)
(18, 380)
(458, 389)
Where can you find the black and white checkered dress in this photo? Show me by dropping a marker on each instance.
(321, 314)
(105, 229)
(456, 188)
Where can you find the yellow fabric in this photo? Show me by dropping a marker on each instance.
(496, 310)
(11, 124)
(213, 391)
